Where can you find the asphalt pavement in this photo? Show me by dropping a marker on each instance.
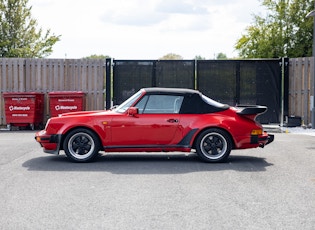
(269, 188)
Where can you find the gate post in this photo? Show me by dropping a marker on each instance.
(108, 64)
(153, 80)
(312, 14)
(237, 98)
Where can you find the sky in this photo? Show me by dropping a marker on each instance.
(145, 29)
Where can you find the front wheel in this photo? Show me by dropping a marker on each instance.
(81, 145)
(213, 145)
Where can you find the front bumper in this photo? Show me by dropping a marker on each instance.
(50, 143)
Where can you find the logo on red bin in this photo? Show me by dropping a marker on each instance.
(19, 108)
(66, 107)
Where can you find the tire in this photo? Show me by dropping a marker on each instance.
(213, 145)
(81, 145)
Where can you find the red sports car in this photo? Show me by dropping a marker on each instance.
(155, 120)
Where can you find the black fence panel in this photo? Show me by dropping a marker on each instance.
(130, 76)
(268, 89)
(217, 80)
(175, 74)
(245, 82)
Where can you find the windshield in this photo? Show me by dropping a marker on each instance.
(212, 102)
(129, 102)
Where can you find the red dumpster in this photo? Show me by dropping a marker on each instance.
(66, 101)
(24, 109)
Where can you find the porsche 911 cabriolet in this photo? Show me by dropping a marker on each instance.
(157, 120)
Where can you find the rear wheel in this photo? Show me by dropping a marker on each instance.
(81, 145)
(213, 145)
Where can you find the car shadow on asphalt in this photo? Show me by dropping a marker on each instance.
(147, 164)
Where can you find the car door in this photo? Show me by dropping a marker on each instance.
(156, 124)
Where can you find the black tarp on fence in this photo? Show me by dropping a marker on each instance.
(132, 75)
(243, 82)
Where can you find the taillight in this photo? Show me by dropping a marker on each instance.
(257, 132)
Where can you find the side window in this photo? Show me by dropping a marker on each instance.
(154, 104)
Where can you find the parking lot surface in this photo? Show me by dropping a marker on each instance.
(270, 188)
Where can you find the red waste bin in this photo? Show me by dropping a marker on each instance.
(66, 101)
(24, 109)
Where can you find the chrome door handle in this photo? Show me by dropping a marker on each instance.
(172, 120)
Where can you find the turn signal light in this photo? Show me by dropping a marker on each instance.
(257, 132)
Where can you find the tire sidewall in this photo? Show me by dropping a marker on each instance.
(90, 135)
(222, 134)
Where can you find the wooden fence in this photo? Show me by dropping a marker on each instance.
(301, 88)
(48, 75)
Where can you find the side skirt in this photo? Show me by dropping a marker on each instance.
(183, 145)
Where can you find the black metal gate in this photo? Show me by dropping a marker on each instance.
(246, 82)
(130, 76)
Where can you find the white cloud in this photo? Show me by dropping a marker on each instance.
(144, 29)
(180, 7)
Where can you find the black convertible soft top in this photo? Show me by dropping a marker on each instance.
(194, 101)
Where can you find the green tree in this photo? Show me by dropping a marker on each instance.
(95, 56)
(283, 32)
(18, 34)
(199, 57)
(221, 56)
(171, 56)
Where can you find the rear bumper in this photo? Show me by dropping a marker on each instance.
(265, 139)
(270, 139)
(262, 140)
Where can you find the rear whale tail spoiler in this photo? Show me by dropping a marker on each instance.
(251, 109)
